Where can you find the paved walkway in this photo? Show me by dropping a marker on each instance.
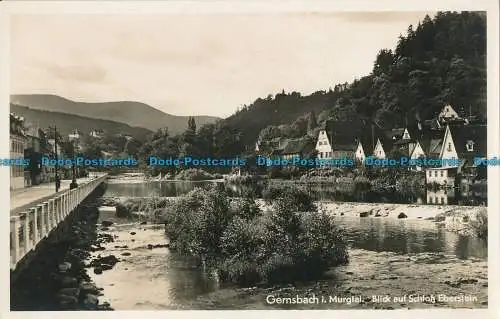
(24, 198)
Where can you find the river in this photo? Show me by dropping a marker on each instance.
(154, 279)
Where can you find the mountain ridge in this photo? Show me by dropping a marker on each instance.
(68, 122)
(132, 113)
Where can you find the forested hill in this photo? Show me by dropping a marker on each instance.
(441, 60)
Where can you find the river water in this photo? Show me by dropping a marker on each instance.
(154, 279)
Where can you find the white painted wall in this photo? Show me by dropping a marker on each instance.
(379, 152)
(323, 145)
(448, 151)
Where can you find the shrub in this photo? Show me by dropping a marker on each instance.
(248, 247)
(195, 174)
(480, 225)
(297, 243)
(299, 197)
(241, 242)
(196, 221)
(246, 208)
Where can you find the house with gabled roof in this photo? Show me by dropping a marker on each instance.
(353, 139)
(462, 142)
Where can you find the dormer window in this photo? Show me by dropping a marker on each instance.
(470, 146)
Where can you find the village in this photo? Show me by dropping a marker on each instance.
(447, 138)
(30, 142)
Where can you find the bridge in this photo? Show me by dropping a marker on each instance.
(32, 224)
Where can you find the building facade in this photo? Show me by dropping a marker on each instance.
(17, 147)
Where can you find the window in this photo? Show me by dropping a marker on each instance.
(449, 147)
(441, 173)
(470, 146)
(435, 174)
(430, 173)
(430, 200)
(442, 200)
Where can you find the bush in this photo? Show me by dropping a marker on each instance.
(246, 208)
(248, 247)
(195, 174)
(480, 225)
(196, 221)
(299, 198)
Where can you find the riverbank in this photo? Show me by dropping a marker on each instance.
(58, 280)
(453, 217)
(149, 276)
(137, 178)
(373, 274)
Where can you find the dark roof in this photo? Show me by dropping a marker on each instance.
(477, 134)
(345, 135)
(394, 134)
(296, 146)
(431, 124)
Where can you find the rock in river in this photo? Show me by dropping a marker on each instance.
(106, 223)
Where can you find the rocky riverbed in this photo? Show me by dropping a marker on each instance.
(423, 278)
(149, 276)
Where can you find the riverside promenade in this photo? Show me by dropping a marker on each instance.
(38, 211)
(30, 196)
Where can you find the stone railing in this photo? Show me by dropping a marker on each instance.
(29, 228)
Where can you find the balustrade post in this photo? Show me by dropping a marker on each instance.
(65, 204)
(25, 220)
(51, 215)
(59, 202)
(46, 219)
(15, 251)
(40, 215)
(34, 216)
(70, 201)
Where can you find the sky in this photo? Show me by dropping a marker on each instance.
(196, 64)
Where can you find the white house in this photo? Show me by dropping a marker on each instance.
(448, 114)
(75, 135)
(444, 176)
(323, 146)
(448, 150)
(352, 139)
(96, 133)
(417, 152)
(360, 153)
(379, 151)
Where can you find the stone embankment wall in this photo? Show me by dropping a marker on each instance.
(56, 278)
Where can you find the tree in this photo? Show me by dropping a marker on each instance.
(312, 123)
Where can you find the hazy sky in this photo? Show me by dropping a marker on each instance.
(197, 64)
